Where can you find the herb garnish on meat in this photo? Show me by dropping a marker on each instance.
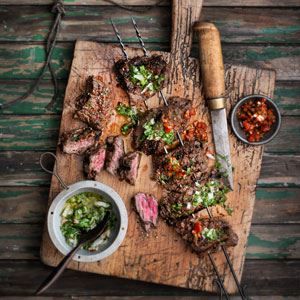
(155, 131)
(211, 234)
(143, 77)
(129, 112)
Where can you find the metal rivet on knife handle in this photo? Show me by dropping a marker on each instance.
(212, 67)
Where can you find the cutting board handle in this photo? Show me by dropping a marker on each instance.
(184, 14)
(211, 64)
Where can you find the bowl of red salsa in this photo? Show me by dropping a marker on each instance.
(255, 120)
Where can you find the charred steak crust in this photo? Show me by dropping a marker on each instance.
(147, 208)
(129, 166)
(181, 167)
(114, 152)
(155, 64)
(202, 245)
(94, 106)
(174, 206)
(94, 161)
(175, 113)
(79, 140)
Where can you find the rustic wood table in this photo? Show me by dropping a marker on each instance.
(263, 33)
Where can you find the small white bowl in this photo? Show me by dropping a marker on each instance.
(117, 235)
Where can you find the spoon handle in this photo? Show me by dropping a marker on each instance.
(57, 271)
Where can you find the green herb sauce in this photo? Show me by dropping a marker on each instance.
(141, 76)
(82, 213)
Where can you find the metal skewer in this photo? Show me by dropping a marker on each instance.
(219, 279)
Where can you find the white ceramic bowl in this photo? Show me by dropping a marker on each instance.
(117, 235)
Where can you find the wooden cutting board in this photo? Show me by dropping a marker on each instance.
(162, 257)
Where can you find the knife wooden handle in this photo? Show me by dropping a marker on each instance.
(211, 64)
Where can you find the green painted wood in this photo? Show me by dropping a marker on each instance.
(277, 205)
(24, 61)
(245, 3)
(251, 25)
(22, 205)
(41, 133)
(22, 241)
(21, 278)
(19, 205)
(287, 97)
(36, 103)
(29, 133)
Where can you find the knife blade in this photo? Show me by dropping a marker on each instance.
(213, 77)
(222, 146)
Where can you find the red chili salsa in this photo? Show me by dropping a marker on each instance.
(256, 118)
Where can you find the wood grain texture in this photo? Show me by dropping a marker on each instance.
(246, 3)
(23, 277)
(22, 241)
(29, 136)
(24, 61)
(286, 96)
(29, 205)
(187, 271)
(23, 169)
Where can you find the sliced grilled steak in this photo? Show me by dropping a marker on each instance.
(204, 235)
(129, 167)
(94, 106)
(114, 152)
(191, 199)
(177, 205)
(142, 77)
(79, 140)
(157, 127)
(181, 167)
(147, 208)
(94, 161)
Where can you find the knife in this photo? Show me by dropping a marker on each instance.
(212, 74)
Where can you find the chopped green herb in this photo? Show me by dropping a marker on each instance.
(129, 112)
(177, 206)
(155, 131)
(141, 76)
(81, 213)
(211, 234)
(210, 194)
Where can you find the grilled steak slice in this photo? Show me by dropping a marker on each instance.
(79, 140)
(157, 127)
(147, 208)
(129, 167)
(114, 152)
(204, 234)
(142, 77)
(177, 205)
(181, 167)
(94, 106)
(94, 161)
(191, 199)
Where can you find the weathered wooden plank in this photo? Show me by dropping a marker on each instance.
(29, 133)
(276, 205)
(265, 277)
(36, 103)
(41, 133)
(24, 61)
(19, 205)
(246, 3)
(287, 97)
(22, 241)
(251, 25)
(280, 170)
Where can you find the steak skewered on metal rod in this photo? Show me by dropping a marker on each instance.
(219, 279)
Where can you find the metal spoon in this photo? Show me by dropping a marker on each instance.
(84, 238)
